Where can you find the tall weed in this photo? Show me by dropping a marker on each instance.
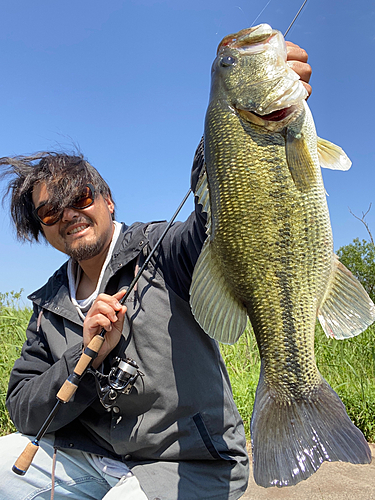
(243, 365)
(13, 323)
(349, 367)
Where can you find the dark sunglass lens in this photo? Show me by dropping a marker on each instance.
(85, 199)
(48, 214)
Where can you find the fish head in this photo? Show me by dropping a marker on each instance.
(251, 74)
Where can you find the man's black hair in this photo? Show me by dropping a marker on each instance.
(63, 174)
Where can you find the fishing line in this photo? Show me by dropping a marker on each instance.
(238, 7)
(295, 17)
(258, 16)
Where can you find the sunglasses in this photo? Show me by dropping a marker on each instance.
(48, 214)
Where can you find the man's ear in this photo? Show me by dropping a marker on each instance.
(110, 204)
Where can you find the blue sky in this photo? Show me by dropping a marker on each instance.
(127, 81)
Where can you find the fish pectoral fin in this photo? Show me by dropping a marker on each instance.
(213, 303)
(346, 309)
(300, 163)
(332, 156)
(292, 438)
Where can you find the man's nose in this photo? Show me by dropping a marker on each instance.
(69, 213)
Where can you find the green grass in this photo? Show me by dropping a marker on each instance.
(348, 366)
(13, 323)
(243, 364)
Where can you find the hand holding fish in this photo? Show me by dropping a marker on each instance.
(297, 60)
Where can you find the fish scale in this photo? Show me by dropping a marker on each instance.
(268, 256)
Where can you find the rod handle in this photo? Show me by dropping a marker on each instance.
(23, 462)
(89, 354)
(67, 390)
(70, 385)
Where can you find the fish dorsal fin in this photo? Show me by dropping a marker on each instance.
(300, 163)
(213, 304)
(332, 156)
(346, 308)
(202, 193)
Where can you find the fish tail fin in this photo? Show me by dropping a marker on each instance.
(290, 441)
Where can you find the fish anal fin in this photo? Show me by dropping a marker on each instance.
(332, 156)
(346, 309)
(291, 440)
(300, 163)
(214, 306)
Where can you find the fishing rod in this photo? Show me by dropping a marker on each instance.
(70, 386)
(295, 18)
(291, 24)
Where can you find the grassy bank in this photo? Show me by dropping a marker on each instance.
(348, 366)
(13, 323)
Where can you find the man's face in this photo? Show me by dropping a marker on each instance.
(81, 234)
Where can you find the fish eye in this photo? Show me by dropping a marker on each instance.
(228, 61)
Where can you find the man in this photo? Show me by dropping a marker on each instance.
(177, 434)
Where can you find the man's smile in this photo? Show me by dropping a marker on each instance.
(77, 229)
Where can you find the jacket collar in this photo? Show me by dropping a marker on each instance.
(54, 295)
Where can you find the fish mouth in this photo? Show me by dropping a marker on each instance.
(276, 116)
(248, 38)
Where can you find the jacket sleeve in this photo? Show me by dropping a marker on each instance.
(36, 379)
(183, 242)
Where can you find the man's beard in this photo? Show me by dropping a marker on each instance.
(85, 251)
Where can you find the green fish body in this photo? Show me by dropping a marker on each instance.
(269, 255)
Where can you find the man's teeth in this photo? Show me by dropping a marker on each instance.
(77, 229)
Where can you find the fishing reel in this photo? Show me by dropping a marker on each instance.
(120, 380)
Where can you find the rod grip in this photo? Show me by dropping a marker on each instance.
(24, 460)
(71, 383)
(89, 354)
(66, 391)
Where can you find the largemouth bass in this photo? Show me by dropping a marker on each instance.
(268, 256)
